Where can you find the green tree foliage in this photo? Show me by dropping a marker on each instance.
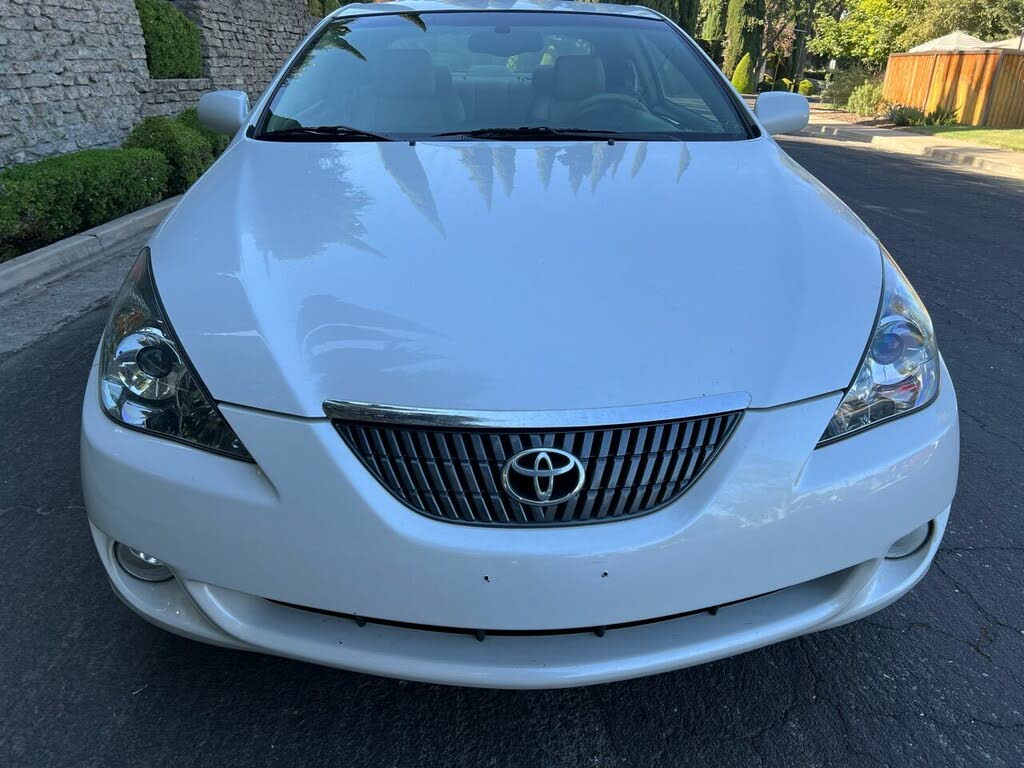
(869, 30)
(172, 41)
(686, 15)
(744, 28)
(713, 15)
(320, 8)
(51, 199)
(987, 19)
(743, 76)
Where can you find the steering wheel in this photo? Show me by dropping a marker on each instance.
(609, 102)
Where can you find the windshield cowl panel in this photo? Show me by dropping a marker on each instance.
(503, 76)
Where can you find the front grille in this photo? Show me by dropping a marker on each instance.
(455, 474)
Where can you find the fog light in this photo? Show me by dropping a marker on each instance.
(140, 565)
(909, 544)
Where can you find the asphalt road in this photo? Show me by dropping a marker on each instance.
(935, 680)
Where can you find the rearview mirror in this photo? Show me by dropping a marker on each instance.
(506, 42)
(781, 112)
(223, 111)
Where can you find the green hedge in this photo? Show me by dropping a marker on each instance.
(54, 198)
(218, 141)
(187, 151)
(172, 41)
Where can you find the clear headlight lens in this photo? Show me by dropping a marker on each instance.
(145, 379)
(900, 372)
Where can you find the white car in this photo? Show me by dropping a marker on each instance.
(505, 347)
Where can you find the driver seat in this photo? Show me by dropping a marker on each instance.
(575, 78)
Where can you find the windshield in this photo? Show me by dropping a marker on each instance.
(418, 75)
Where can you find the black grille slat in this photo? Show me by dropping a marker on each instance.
(455, 474)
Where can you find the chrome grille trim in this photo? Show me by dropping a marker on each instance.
(454, 473)
(411, 416)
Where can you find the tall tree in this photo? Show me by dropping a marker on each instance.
(987, 19)
(682, 12)
(687, 13)
(868, 30)
(779, 29)
(713, 15)
(744, 28)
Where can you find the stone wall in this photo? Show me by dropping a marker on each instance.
(73, 74)
(70, 75)
(245, 41)
(169, 97)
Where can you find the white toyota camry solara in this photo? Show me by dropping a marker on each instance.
(504, 347)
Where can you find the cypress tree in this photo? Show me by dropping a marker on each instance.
(714, 19)
(744, 27)
(687, 15)
(743, 77)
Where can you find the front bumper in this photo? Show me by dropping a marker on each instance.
(308, 526)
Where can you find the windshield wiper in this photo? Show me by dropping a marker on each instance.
(542, 132)
(527, 132)
(322, 133)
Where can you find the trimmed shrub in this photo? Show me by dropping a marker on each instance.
(782, 84)
(218, 141)
(840, 84)
(172, 41)
(807, 87)
(188, 153)
(866, 100)
(54, 198)
(743, 77)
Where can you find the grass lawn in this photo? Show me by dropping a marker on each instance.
(1006, 138)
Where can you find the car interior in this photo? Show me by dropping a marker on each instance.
(493, 78)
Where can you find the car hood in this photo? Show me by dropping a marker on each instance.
(528, 276)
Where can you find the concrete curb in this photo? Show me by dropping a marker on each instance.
(62, 258)
(991, 159)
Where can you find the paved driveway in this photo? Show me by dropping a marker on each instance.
(935, 680)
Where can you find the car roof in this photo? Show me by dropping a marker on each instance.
(423, 6)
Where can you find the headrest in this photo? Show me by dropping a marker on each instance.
(578, 77)
(403, 72)
(442, 78)
(544, 80)
(481, 71)
(621, 76)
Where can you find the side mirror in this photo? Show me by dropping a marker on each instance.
(223, 111)
(782, 112)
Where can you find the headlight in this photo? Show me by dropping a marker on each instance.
(900, 372)
(146, 382)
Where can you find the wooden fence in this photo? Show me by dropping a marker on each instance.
(985, 87)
